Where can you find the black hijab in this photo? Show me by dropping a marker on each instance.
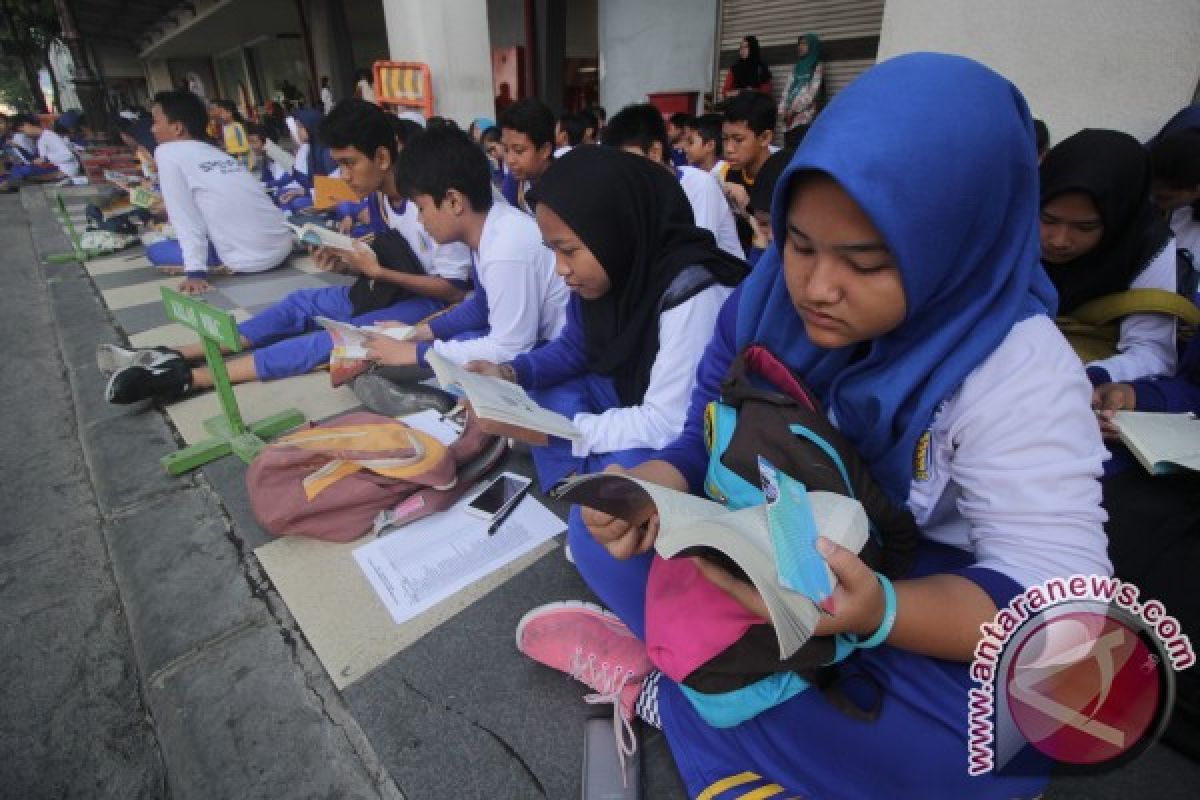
(750, 72)
(634, 217)
(1114, 170)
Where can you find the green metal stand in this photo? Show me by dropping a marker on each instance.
(217, 330)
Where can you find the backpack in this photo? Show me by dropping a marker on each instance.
(765, 410)
(331, 480)
(1094, 328)
(394, 253)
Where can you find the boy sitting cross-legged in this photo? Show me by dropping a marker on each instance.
(220, 213)
(420, 278)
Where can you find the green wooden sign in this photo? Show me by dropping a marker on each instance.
(208, 322)
(218, 329)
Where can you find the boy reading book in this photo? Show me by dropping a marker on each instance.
(421, 278)
(518, 300)
(527, 132)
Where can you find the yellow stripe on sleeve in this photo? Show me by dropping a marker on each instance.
(763, 792)
(728, 783)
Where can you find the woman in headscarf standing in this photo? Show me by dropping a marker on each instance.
(798, 107)
(748, 72)
(904, 286)
(646, 285)
(1101, 236)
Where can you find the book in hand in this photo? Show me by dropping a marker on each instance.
(319, 236)
(280, 156)
(1163, 443)
(738, 540)
(503, 408)
(349, 341)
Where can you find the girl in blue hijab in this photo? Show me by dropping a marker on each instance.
(312, 158)
(904, 286)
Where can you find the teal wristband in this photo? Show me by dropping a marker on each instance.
(889, 617)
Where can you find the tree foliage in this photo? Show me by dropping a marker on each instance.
(28, 28)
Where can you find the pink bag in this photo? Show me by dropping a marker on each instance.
(331, 480)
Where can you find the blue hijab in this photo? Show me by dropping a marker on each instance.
(939, 152)
(320, 160)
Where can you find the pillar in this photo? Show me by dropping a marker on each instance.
(451, 36)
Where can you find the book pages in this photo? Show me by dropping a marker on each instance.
(501, 401)
(1163, 443)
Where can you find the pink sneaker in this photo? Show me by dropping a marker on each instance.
(594, 647)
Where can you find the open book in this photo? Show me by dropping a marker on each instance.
(280, 156)
(349, 341)
(739, 540)
(319, 236)
(503, 408)
(1164, 443)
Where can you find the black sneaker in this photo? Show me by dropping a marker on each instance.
(165, 381)
(112, 358)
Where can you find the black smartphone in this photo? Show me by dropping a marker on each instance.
(501, 490)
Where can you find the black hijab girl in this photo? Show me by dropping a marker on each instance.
(626, 244)
(1113, 171)
(638, 224)
(749, 71)
(1100, 236)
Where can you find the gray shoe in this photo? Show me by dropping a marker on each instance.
(394, 399)
(111, 358)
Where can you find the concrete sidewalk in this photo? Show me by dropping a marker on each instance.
(145, 653)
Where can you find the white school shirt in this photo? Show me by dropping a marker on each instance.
(1146, 347)
(710, 208)
(300, 162)
(562, 151)
(1014, 461)
(210, 196)
(526, 298)
(719, 169)
(1187, 232)
(327, 98)
(58, 151)
(26, 144)
(683, 335)
(449, 261)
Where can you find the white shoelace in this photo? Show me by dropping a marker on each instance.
(608, 685)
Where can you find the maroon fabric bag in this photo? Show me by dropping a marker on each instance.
(347, 509)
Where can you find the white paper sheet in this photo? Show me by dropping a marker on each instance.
(430, 421)
(419, 565)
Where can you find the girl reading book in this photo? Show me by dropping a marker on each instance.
(646, 285)
(1101, 237)
(904, 284)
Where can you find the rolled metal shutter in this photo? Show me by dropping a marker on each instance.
(849, 31)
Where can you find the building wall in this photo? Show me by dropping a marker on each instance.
(451, 36)
(650, 47)
(1080, 63)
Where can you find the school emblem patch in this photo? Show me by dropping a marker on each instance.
(921, 457)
